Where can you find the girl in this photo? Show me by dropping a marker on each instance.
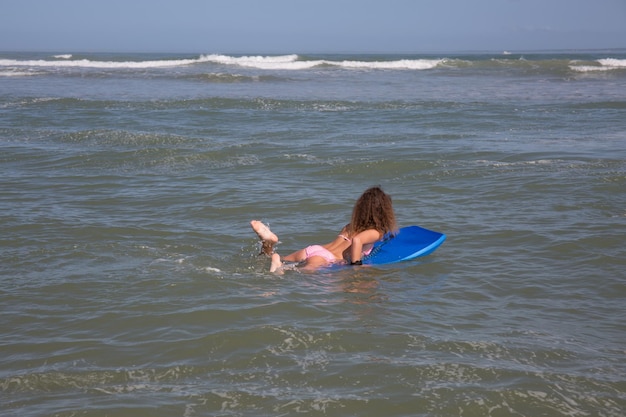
(372, 218)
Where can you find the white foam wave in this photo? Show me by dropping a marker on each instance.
(86, 63)
(261, 62)
(254, 61)
(292, 62)
(280, 62)
(12, 73)
(607, 64)
(611, 62)
(412, 64)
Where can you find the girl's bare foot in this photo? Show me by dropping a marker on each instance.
(268, 238)
(263, 231)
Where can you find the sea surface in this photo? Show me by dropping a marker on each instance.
(130, 281)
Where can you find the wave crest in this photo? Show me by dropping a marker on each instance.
(294, 62)
(607, 64)
(279, 62)
(87, 63)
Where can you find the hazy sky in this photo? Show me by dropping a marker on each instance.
(298, 26)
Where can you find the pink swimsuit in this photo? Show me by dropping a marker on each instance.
(317, 250)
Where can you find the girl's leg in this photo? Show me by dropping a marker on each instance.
(297, 256)
(276, 263)
(268, 238)
(311, 264)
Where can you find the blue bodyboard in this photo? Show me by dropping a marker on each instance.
(408, 243)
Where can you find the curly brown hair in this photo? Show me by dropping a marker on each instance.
(373, 210)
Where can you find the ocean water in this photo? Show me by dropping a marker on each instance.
(130, 281)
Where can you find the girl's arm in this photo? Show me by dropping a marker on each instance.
(361, 239)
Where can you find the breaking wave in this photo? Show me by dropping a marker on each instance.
(279, 62)
(607, 64)
(294, 62)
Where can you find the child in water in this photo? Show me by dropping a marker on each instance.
(372, 218)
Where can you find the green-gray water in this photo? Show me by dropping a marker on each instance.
(129, 278)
